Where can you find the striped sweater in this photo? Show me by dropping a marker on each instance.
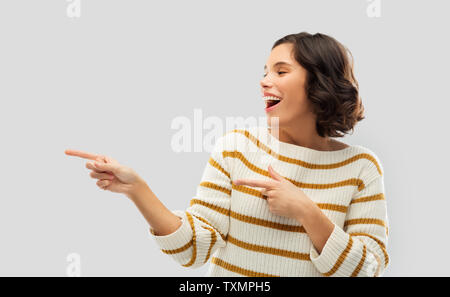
(232, 227)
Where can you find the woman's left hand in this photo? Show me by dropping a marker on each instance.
(284, 198)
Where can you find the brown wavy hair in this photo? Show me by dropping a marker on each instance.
(331, 86)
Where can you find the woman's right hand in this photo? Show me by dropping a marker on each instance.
(111, 175)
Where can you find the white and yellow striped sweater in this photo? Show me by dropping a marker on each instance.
(232, 226)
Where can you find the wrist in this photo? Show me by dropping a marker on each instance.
(137, 190)
(306, 211)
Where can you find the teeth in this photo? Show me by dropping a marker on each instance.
(271, 98)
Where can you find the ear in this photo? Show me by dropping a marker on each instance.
(275, 174)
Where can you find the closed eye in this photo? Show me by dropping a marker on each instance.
(279, 72)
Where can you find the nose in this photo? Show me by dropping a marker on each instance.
(265, 83)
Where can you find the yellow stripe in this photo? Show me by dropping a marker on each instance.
(360, 264)
(213, 241)
(210, 206)
(218, 167)
(247, 190)
(249, 219)
(379, 196)
(210, 225)
(303, 163)
(352, 181)
(215, 187)
(330, 206)
(188, 245)
(178, 250)
(380, 243)
(265, 223)
(256, 193)
(341, 258)
(238, 269)
(194, 239)
(364, 221)
(268, 250)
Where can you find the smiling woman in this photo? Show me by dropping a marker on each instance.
(296, 204)
(293, 205)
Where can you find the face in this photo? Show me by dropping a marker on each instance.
(286, 81)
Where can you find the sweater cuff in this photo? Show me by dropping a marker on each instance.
(333, 249)
(178, 238)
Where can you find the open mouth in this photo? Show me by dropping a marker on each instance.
(271, 101)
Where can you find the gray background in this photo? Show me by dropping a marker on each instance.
(112, 81)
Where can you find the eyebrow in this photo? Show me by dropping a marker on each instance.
(278, 63)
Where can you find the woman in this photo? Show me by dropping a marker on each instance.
(283, 201)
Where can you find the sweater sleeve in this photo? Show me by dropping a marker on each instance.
(359, 248)
(205, 222)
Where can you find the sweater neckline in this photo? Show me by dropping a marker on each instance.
(289, 148)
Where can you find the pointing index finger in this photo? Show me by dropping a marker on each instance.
(81, 154)
(254, 183)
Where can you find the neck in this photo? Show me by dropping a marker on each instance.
(303, 134)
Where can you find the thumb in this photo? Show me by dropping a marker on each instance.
(275, 174)
(106, 167)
